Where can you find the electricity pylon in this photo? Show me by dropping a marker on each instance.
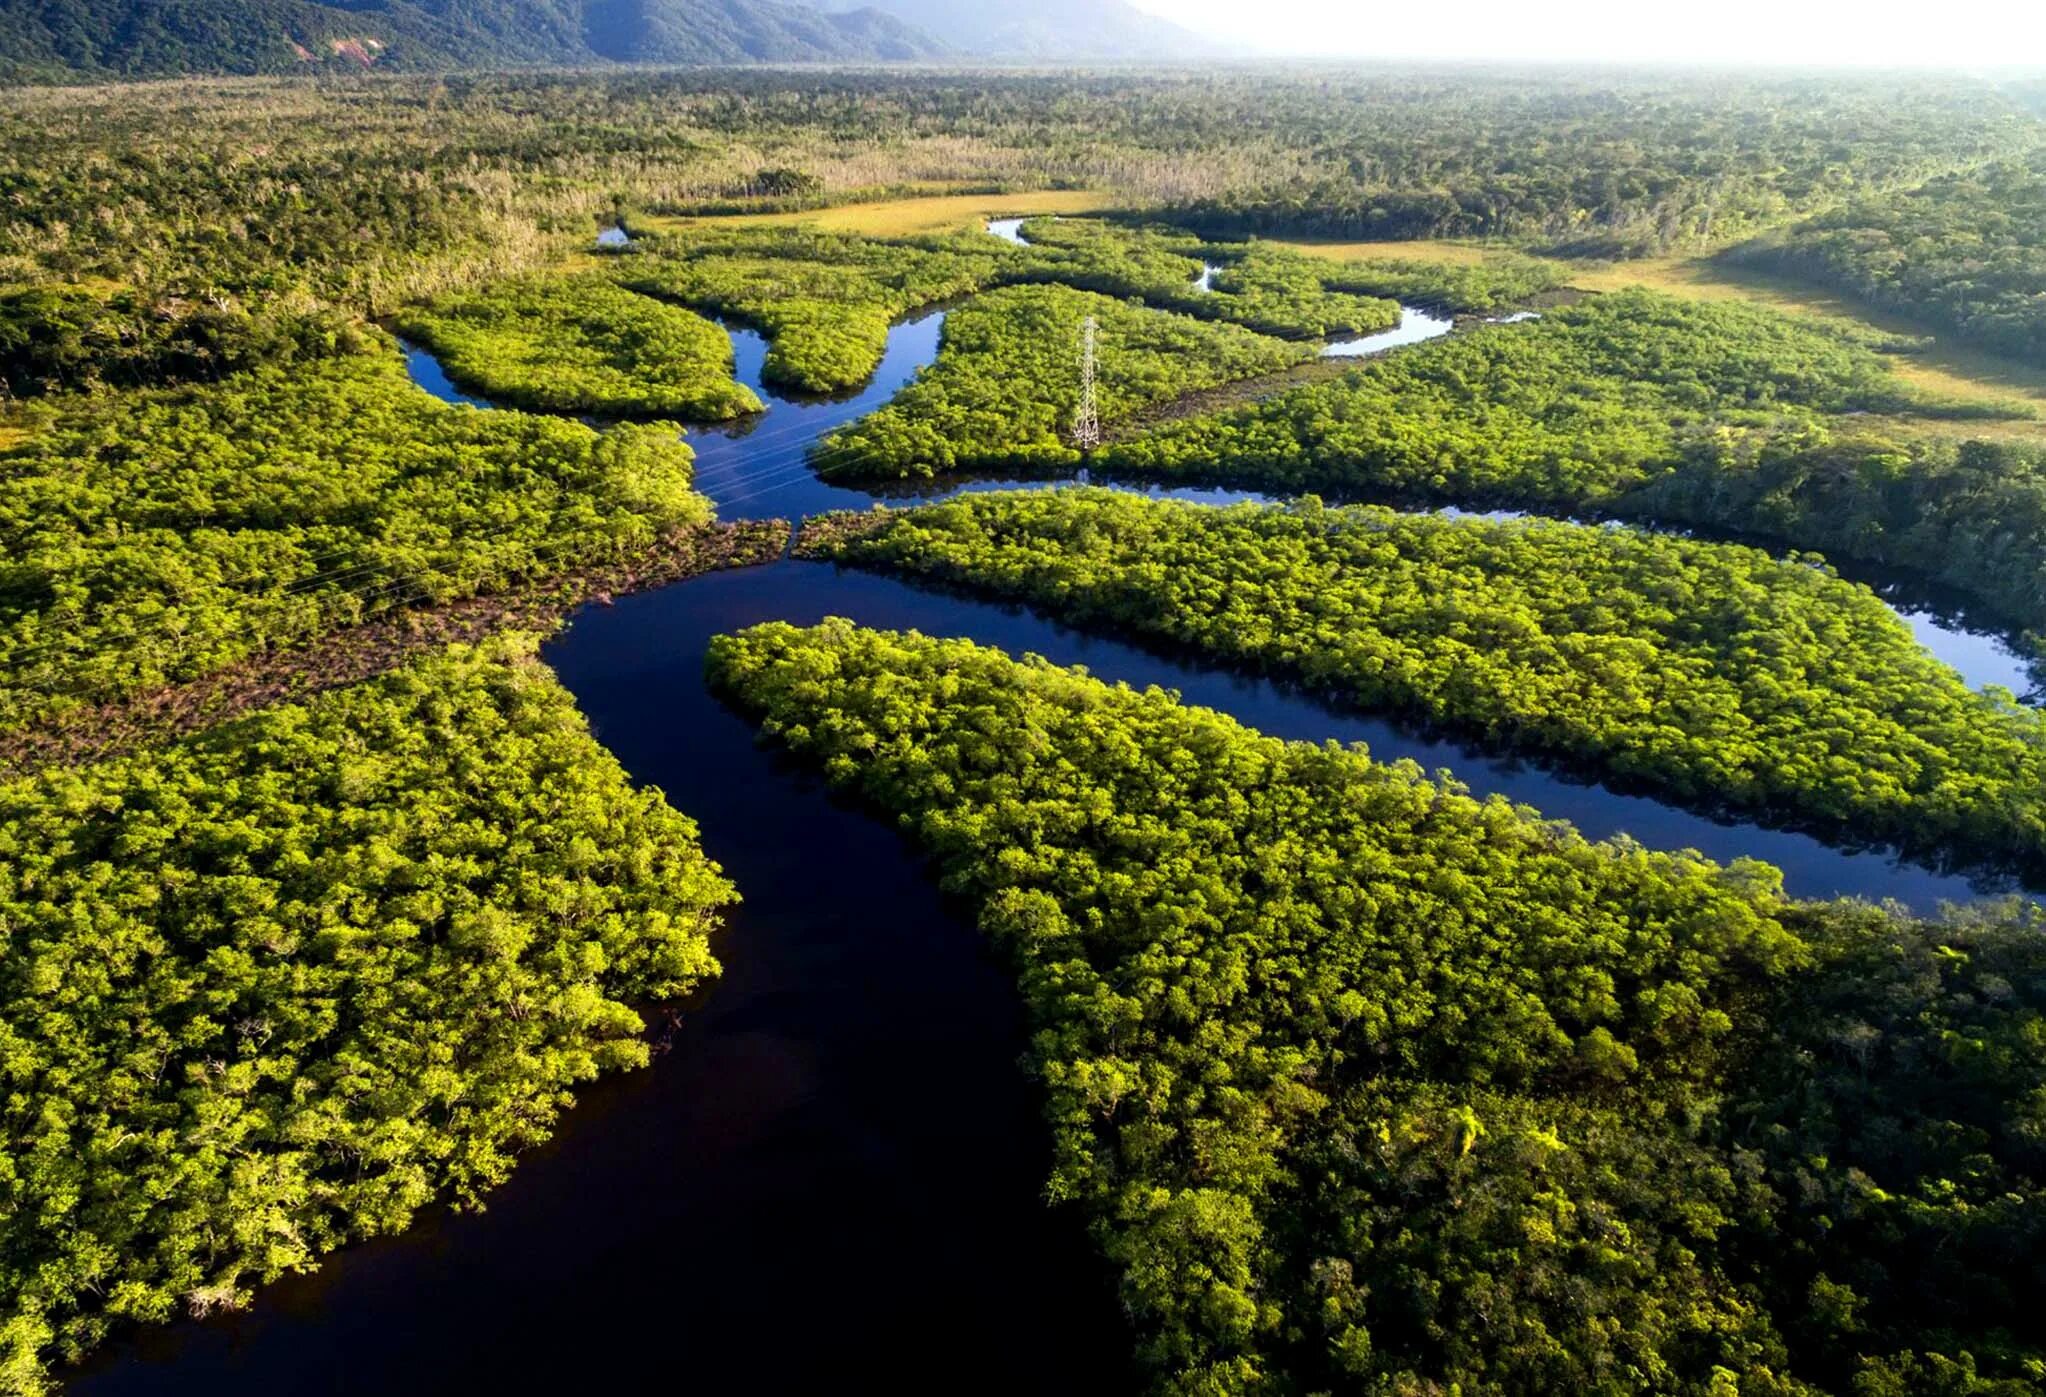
(1087, 421)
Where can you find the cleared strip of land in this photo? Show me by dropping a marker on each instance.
(924, 213)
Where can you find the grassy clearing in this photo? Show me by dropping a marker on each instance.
(1942, 369)
(1455, 254)
(927, 213)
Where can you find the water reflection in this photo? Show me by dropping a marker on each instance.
(424, 370)
(1415, 326)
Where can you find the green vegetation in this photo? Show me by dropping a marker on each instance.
(1970, 514)
(1620, 166)
(162, 535)
(1644, 406)
(1498, 282)
(1281, 292)
(1007, 381)
(1364, 1085)
(580, 344)
(1966, 251)
(375, 192)
(1152, 262)
(275, 988)
(1270, 290)
(1585, 400)
(824, 300)
(1713, 671)
(1369, 1086)
(59, 338)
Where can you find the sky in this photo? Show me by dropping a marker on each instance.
(1862, 33)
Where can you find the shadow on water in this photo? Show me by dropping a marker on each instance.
(840, 1133)
(839, 1146)
(659, 638)
(837, 1170)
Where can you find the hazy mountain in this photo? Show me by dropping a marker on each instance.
(58, 39)
(742, 31)
(1050, 30)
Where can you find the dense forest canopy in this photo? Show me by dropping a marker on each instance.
(1007, 381)
(580, 344)
(1647, 406)
(1270, 290)
(1966, 252)
(824, 300)
(171, 532)
(1589, 397)
(275, 988)
(1709, 670)
(368, 190)
(60, 338)
(1368, 1086)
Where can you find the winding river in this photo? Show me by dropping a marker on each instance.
(836, 1170)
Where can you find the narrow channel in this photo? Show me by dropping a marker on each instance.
(760, 468)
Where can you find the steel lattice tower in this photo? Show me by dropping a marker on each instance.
(1087, 421)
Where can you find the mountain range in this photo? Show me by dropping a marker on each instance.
(68, 40)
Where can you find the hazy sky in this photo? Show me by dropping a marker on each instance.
(1951, 32)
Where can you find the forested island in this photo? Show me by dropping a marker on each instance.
(519, 588)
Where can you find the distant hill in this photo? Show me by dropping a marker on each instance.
(1047, 30)
(58, 40)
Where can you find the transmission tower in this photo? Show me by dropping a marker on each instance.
(1087, 421)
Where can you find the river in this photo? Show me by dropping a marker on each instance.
(836, 1169)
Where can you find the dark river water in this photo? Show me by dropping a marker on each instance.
(833, 1177)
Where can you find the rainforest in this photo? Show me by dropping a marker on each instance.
(1170, 728)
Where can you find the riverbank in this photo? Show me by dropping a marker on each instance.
(338, 658)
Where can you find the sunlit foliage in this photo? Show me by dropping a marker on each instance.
(1007, 381)
(1588, 398)
(1966, 252)
(1716, 673)
(824, 300)
(1368, 1086)
(1270, 290)
(1720, 414)
(275, 988)
(160, 535)
(581, 344)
